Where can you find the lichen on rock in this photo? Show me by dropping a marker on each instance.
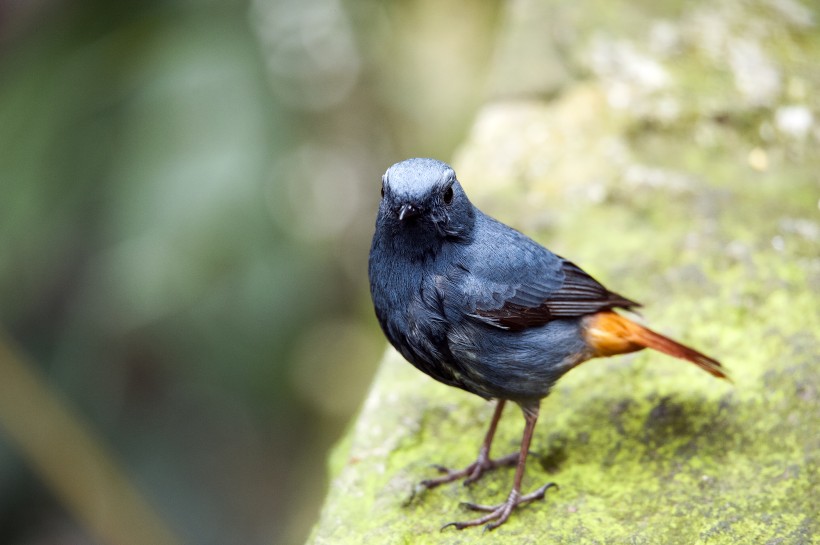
(697, 196)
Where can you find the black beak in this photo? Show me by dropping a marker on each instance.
(408, 211)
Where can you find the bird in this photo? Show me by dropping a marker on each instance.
(477, 305)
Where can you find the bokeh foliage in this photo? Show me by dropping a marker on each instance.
(186, 200)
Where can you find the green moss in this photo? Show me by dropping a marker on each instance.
(645, 448)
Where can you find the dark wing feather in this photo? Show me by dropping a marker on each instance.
(534, 304)
(507, 280)
(582, 294)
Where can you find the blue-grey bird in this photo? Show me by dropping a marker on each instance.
(477, 305)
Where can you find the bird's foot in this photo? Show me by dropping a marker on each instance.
(472, 472)
(498, 514)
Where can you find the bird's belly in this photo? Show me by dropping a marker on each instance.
(518, 365)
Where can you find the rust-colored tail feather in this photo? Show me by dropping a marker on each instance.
(609, 333)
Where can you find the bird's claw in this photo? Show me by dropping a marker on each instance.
(498, 514)
(471, 473)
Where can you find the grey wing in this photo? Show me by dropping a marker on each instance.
(530, 288)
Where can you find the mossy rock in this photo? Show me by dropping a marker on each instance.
(706, 212)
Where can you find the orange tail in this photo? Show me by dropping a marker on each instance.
(609, 333)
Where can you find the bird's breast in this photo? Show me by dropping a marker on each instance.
(410, 312)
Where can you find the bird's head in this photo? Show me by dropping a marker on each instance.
(423, 204)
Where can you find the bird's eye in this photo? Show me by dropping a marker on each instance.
(448, 195)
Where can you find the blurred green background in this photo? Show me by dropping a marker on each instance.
(187, 193)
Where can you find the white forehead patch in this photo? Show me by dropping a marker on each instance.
(417, 177)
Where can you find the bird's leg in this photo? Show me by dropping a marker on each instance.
(483, 463)
(498, 514)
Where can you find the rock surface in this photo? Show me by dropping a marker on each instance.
(682, 169)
